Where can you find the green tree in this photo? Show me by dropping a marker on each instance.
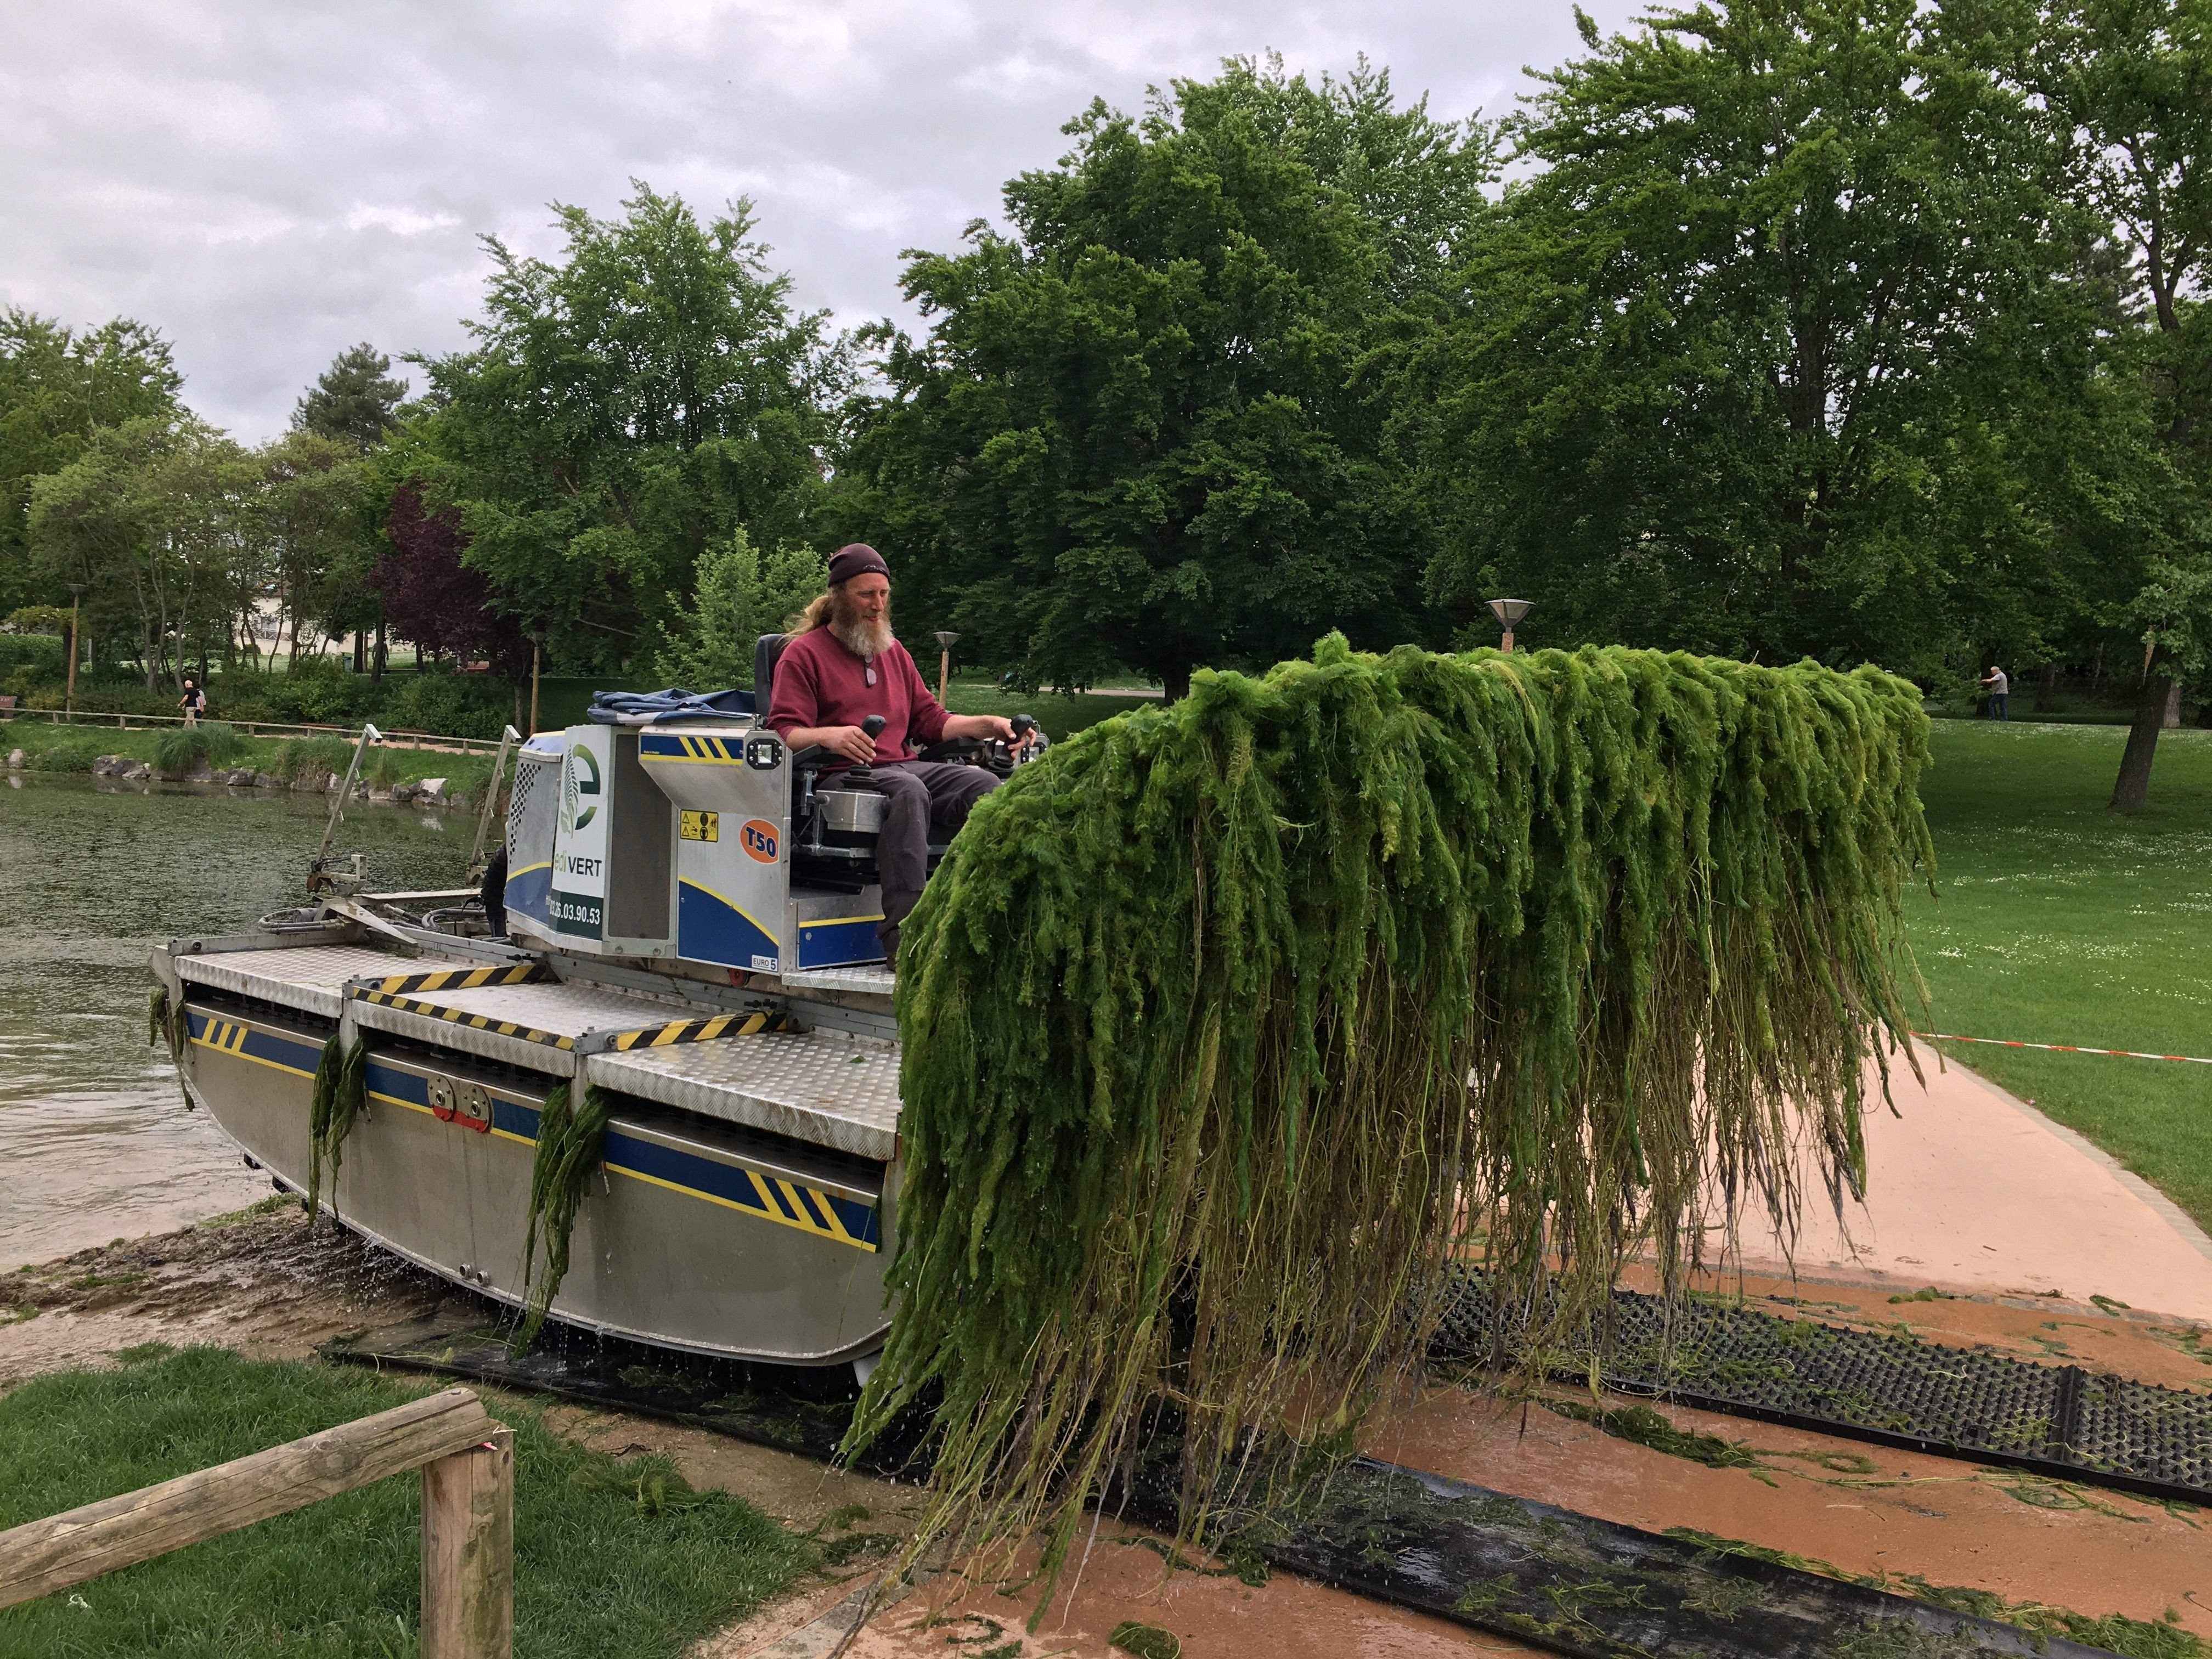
(354, 401)
(153, 516)
(740, 596)
(1150, 428)
(623, 409)
(57, 384)
(315, 536)
(2132, 79)
(1764, 356)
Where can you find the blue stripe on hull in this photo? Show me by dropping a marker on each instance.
(531, 894)
(824, 1214)
(835, 945)
(708, 930)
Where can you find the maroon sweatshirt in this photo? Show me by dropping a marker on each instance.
(818, 682)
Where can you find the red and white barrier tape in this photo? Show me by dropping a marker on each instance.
(2058, 1047)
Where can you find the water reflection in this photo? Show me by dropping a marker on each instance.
(94, 1141)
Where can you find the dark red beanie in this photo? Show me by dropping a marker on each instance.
(855, 559)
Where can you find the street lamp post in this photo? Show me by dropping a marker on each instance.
(1508, 612)
(537, 650)
(68, 693)
(946, 640)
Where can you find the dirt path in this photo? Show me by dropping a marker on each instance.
(1969, 1187)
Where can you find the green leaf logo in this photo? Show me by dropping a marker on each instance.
(579, 776)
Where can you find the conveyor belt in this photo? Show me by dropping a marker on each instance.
(2058, 1420)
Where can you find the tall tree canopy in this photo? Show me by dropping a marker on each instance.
(2131, 79)
(622, 409)
(1765, 353)
(1148, 428)
(354, 401)
(58, 385)
(154, 515)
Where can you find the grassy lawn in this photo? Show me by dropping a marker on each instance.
(2061, 921)
(612, 1560)
(1059, 715)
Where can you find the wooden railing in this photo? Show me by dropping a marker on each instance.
(468, 1516)
(260, 729)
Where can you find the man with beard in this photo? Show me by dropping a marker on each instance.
(843, 665)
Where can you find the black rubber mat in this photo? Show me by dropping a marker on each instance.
(2058, 1420)
(1567, 1583)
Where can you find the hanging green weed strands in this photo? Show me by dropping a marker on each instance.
(1229, 1025)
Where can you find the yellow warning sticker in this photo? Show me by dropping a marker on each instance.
(701, 826)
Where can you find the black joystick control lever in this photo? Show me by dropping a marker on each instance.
(1023, 725)
(859, 776)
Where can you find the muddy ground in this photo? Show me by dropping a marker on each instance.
(267, 1284)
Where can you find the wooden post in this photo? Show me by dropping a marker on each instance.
(68, 692)
(535, 648)
(943, 671)
(62, 1551)
(468, 1552)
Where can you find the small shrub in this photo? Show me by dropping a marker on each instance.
(65, 758)
(312, 757)
(223, 745)
(445, 704)
(315, 689)
(176, 752)
(43, 653)
(384, 768)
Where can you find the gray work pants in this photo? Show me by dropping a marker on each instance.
(917, 794)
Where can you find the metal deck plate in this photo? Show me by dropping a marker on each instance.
(820, 1087)
(536, 1025)
(308, 977)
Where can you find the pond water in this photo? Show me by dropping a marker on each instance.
(95, 1142)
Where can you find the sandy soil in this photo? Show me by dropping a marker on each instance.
(266, 1285)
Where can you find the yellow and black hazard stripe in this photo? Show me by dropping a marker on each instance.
(460, 1016)
(263, 1047)
(689, 746)
(705, 1030)
(463, 979)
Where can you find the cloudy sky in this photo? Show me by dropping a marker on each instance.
(268, 183)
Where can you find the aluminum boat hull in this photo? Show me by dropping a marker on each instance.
(754, 1240)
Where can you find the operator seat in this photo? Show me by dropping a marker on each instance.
(767, 651)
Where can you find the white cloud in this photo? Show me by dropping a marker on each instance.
(269, 183)
(399, 221)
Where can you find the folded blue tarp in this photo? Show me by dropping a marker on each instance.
(652, 708)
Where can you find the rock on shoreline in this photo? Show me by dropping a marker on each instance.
(429, 792)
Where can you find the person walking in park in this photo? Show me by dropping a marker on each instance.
(193, 702)
(1998, 688)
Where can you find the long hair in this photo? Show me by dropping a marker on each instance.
(832, 610)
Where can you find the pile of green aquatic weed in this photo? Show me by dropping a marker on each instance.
(2116, 1632)
(341, 1091)
(612, 1560)
(1227, 1025)
(571, 1147)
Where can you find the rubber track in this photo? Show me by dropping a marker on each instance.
(2056, 1420)
(1507, 1566)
